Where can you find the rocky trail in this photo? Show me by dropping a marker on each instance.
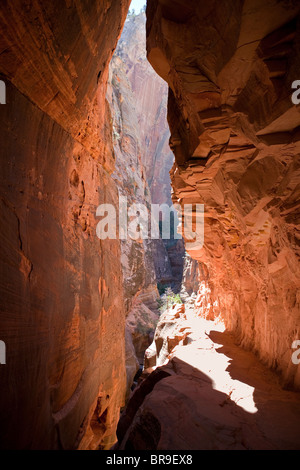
(210, 394)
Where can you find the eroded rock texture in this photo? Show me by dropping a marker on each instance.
(150, 99)
(138, 102)
(142, 97)
(235, 135)
(140, 283)
(62, 308)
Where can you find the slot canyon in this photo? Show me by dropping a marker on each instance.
(158, 343)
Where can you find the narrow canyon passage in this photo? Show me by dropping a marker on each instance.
(143, 163)
(117, 342)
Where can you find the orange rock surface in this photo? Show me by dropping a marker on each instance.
(235, 135)
(62, 309)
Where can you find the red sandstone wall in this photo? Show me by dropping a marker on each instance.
(61, 288)
(235, 136)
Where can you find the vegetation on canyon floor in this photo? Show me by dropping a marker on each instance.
(168, 299)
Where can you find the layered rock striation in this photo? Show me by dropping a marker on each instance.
(137, 98)
(235, 135)
(139, 276)
(62, 306)
(147, 115)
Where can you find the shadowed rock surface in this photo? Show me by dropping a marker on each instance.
(62, 307)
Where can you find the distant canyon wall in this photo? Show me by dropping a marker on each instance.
(142, 99)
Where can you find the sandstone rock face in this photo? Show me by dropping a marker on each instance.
(150, 98)
(63, 80)
(235, 135)
(138, 102)
(137, 256)
(190, 279)
(131, 361)
(139, 276)
(144, 102)
(171, 331)
(62, 308)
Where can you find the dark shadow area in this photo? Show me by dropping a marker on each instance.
(278, 414)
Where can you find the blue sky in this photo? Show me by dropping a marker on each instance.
(137, 5)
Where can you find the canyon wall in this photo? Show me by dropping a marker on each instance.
(144, 100)
(150, 94)
(137, 98)
(62, 307)
(235, 135)
(140, 283)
